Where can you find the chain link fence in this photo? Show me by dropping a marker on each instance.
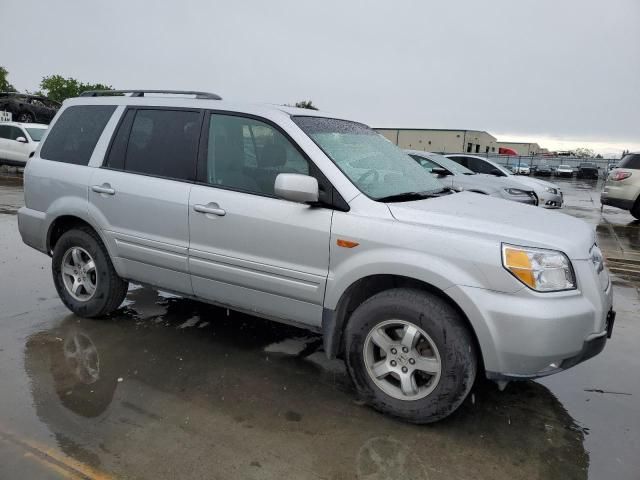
(515, 161)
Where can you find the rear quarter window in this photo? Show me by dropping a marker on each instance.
(631, 160)
(75, 134)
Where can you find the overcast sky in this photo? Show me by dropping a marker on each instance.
(545, 70)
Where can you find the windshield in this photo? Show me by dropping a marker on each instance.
(373, 164)
(445, 162)
(565, 167)
(36, 134)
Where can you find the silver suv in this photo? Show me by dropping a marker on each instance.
(303, 218)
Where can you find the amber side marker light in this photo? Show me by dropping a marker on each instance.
(346, 243)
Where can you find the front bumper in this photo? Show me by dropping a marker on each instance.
(528, 334)
(550, 200)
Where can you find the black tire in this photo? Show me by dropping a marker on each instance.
(445, 327)
(110, 288)
(635, 210)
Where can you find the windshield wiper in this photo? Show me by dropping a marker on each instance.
(408, 196)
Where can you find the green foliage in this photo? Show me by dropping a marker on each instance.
(5, 86)
(306, 104)
(584, 153)
(58, 88)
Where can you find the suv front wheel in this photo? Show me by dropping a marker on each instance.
(84, 276)
(410, 354)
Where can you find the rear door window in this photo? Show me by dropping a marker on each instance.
(163, 143)
(480, 166)
(75, 134)
(632, 160)
(464, 161)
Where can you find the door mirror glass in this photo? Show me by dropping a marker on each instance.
(296, 187)
(21, 140)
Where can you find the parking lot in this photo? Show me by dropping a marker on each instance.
(169, 388)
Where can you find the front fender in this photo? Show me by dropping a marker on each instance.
(431, 269)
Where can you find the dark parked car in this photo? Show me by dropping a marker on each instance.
(26, 108)
(588, 170)
(544, 171)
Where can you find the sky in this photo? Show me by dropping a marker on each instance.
(563, 73)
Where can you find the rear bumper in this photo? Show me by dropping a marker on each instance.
(617, 202)
(13, 163)
(32, 227)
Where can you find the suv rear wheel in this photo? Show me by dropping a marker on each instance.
(410, 355)
(635, 210)
(84, 276)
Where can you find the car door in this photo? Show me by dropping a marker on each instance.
(12, 150)
(20, 148)
(5, 139)
(140, 196)
(248, 249)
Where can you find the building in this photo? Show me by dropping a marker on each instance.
(523, 148)
(441, 140)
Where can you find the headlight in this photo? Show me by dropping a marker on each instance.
(551, 190)
(540, 270)
(516, 191)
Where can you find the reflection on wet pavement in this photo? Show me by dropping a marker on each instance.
(243, 391)
(172, 388)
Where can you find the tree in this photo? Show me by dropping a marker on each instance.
(306, 104)
(58, 88)
(599, 156)
(584, 153)
(5, 86)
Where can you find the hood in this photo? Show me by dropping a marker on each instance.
(486, 183)
(533, 182)
(501, 220)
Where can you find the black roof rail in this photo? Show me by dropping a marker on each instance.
(140, 93)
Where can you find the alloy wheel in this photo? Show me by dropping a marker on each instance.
(79, 274)
(402, 360)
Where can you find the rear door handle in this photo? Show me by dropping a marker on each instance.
(210, 208)
(104, 188)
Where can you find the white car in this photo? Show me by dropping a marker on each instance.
(18, 141)
(564, 171)
(549, 194)
(523, 169)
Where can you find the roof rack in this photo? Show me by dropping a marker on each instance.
(141, 93)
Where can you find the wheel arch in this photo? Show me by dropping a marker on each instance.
(64, 223)
(335, 321)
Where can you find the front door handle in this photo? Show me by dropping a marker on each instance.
(104, 188)
(210, 208)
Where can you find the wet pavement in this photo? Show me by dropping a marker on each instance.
(172, 388)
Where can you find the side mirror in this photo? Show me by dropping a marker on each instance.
(296, 187)
(441, 172)
(496, 172)
(21, 140)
